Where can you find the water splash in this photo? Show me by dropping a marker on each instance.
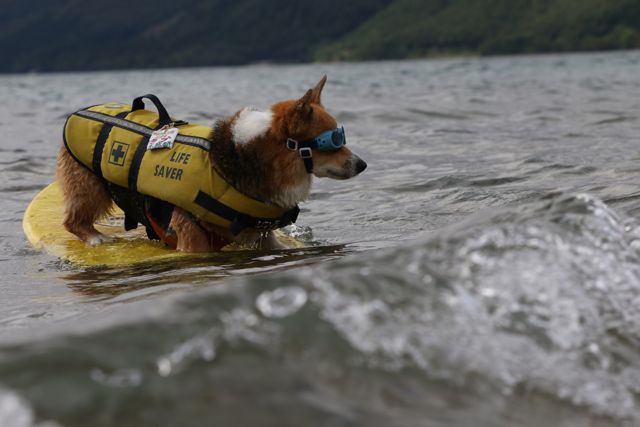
(200, 347)
(281, 302)
(541, 297)
(16, 412)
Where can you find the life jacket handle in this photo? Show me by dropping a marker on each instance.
(163, 115)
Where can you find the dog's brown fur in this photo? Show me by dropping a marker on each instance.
(86, 198)
(263, 168)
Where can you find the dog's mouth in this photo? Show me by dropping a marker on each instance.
(351, 168)
(337, 175)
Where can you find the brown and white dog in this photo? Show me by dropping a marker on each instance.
(250, 152)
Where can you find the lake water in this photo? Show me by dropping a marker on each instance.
(483, 271)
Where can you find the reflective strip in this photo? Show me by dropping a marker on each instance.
(141, 129)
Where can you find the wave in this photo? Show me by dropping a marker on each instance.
(16, 412)
(528, 310)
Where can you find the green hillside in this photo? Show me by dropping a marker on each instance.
(42, 35)
(415, 28)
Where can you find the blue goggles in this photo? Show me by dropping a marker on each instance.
(329, 140)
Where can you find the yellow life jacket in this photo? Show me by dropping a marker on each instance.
(111, 140)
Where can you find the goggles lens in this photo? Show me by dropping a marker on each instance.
(331, 139)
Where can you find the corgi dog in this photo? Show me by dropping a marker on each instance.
(265, 155)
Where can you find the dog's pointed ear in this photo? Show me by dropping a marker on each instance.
(316, 92)
(302, 107)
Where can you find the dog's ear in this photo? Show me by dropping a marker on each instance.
(302, 108)
(316, 92)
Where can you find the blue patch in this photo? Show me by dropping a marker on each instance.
(330, 140)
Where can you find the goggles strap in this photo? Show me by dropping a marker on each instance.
(304, 151)
(307, 157)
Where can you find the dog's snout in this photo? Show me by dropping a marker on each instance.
(360, 165)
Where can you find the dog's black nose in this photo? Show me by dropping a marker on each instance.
(360, 165)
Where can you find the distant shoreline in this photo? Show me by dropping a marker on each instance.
(443, 57)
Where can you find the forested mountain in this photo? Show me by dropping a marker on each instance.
(417, 28)
(42, 35)
(49, 35)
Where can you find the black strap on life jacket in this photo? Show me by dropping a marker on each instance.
(154, 214)
(158, 215)
(163, 120)
(134, 169)
(163, 115)
(240, 221)
(100, 143)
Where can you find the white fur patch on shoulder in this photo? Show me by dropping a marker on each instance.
(251, 124)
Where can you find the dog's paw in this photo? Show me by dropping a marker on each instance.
(270, 242)
(97, 239)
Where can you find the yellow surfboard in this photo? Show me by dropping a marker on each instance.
(42, 224)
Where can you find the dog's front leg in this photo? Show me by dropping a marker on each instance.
(195, 237)
(259, 239)
(269, 241)
(190, 237)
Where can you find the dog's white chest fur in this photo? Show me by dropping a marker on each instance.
(291, 196)
(251, 124)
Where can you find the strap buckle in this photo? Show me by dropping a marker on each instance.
(292, 144)
(305, 153)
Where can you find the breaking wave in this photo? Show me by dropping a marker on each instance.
(534, 303)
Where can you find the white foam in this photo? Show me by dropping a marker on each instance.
(251, 124)
(16, 412)
(281, 302)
